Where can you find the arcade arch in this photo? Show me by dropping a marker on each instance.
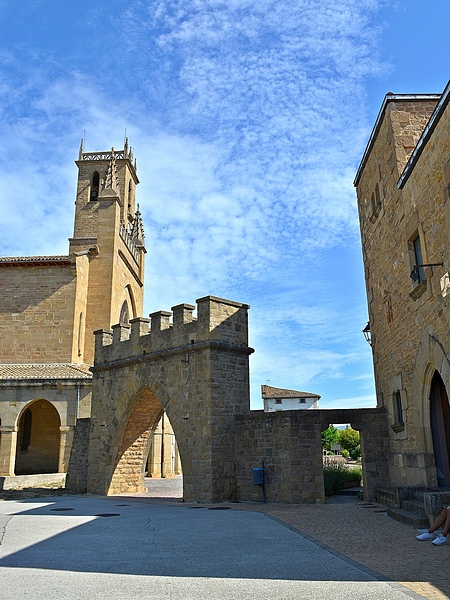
(38, 439)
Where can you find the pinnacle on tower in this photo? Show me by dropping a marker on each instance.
(110, 190)
(137, 229)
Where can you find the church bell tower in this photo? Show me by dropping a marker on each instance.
(108, 232)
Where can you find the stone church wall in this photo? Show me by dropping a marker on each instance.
(36, 314)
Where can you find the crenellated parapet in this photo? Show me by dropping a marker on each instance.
(222, 323)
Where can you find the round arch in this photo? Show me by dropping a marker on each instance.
(38, 439)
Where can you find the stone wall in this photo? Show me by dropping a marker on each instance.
(36, 313)
(77, 471)
(289, 443)
(409, 320)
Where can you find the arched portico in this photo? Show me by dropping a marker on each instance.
(38, 439)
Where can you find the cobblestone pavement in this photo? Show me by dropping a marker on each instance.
(358, 530)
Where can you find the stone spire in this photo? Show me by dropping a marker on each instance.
(110, 190)
(137, 229)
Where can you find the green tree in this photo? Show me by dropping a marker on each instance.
(330, 436)
(349, 439)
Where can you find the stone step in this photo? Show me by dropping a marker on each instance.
(414, 506)
(409, 518)
(354, 491)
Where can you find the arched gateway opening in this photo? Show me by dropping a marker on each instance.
(163, 459)
(135, 443)
(38, 439)
(440, 429)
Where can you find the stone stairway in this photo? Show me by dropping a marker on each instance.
(414, 506)
(410, 512)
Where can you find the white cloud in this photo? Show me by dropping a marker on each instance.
(247, 121)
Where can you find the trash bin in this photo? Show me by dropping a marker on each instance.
(258, 476)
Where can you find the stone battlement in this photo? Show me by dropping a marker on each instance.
(217, 320)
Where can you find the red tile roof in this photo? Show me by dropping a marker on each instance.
(273, 392)
(46, 372)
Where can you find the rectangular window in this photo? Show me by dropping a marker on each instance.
(398, 408)
(418, 259)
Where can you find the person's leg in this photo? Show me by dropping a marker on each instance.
(442, 537)
(444, 517)
(446, 529)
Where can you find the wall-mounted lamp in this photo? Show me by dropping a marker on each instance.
(415, 272)
(367, 334)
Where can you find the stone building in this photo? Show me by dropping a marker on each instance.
(403, 191)
(50, 307)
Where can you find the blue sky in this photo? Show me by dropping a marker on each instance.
(248, 121)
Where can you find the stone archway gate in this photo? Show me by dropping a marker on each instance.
(197, 370)
(194, 369)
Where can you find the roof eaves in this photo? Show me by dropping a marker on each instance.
(8, 261)
(270, 393)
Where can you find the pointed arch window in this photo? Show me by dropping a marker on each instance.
(95, 184)
(124, 314)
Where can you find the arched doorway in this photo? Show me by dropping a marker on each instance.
(38, 439)
(440, 429)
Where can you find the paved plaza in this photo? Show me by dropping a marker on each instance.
(154, 546)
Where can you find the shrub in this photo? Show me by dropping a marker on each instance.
(330, 436)
(337, 477)
(349, 439)
(345, 453)
(356, 452)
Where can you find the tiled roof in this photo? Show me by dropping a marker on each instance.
(24, 260)
(53, 371)
(273, 392)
